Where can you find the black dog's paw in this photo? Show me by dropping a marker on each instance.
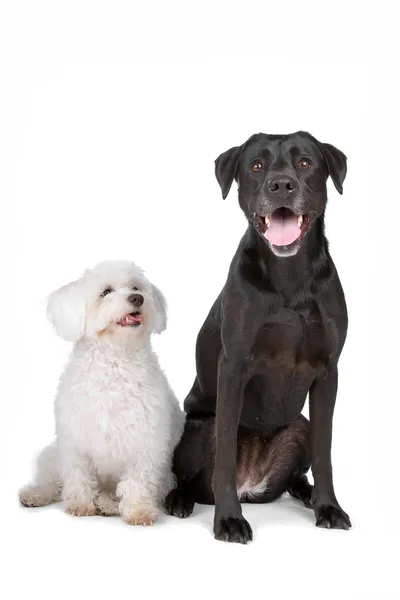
(233, 529)
(331, 517)
(178, 503)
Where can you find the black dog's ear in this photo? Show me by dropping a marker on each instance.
(337, 165)
(226, 169)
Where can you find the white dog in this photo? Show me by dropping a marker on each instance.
(117, 419)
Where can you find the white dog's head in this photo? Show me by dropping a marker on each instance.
(113, 299)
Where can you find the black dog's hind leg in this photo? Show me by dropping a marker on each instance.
(179, 502)
(299, 487)
(191, 456)
(282, 460)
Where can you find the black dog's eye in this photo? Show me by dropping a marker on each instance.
(256, 166)
(106, 291)
(304, 163)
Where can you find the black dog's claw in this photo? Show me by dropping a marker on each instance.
(233, 529)
(179, 504)
(332, 517)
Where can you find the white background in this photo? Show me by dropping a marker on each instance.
(111, 117)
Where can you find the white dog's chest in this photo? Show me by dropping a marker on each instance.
(111, 414)
(110, 430)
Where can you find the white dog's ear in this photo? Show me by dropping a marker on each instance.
(160, 305)
(66, 309)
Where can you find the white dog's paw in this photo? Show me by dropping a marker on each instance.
(106, 506)
(79, 508)
(33, 495)
(140, 514)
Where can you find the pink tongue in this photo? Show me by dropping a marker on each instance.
(129, 320)
(282, 230)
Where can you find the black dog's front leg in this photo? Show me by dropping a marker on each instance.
(322, 403)
(229, 524)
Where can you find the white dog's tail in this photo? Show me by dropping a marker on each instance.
(47, 486)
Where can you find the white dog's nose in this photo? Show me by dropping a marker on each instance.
(136, 299)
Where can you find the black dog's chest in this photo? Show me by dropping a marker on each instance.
(288, 352)
(290, 338)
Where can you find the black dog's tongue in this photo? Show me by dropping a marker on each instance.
(283, 228)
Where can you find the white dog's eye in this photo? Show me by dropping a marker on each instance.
(135, 289)
(106, 291)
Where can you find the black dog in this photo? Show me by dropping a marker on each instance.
(274, 335)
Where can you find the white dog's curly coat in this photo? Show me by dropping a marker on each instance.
(117, 419)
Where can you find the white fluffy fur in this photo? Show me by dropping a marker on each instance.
(117, 419)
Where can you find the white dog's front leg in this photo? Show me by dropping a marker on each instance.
(139, 499)
(79, 484)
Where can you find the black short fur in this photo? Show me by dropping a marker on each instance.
(274, 335)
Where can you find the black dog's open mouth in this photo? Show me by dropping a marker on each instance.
(133, 319)
(283, 227)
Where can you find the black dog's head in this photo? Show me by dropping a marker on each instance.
(282, 184)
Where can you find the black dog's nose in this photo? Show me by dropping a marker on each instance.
(136, 299)
(282, 185)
